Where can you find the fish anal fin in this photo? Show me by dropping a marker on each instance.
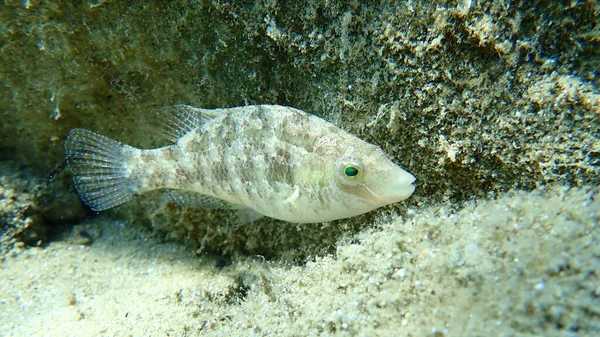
(197, 200)
(247, 215)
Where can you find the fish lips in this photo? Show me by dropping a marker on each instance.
(399, 189)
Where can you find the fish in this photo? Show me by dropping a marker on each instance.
(261, 160)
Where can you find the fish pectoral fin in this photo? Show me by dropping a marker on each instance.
(176, 121)
(197, 200)
(294, 196)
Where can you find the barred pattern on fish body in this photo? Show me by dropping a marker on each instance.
(267, 159)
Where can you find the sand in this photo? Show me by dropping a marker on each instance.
(525, 264)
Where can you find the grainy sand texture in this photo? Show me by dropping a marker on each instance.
(525, 264)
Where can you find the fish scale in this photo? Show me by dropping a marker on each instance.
(263, 160)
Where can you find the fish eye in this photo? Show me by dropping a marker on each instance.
(349, 171)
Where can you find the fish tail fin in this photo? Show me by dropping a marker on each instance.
(99, 171)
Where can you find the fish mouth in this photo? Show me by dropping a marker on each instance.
(399, 189)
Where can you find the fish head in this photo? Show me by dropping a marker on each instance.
(368, 179)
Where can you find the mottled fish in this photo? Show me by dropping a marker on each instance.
(266, 160)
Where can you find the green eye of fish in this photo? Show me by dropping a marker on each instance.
(350, 171)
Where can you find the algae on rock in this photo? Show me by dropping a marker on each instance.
(473, 97)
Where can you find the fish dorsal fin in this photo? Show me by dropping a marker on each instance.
(176, 121)
(197, 200)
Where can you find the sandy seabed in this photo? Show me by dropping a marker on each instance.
(525, 264)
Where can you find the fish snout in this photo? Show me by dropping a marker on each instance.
(399, 187)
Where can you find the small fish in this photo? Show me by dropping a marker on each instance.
(264, 160)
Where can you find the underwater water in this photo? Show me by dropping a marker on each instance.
(492, 106)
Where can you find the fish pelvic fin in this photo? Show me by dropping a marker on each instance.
(176, 121)
(97, 164)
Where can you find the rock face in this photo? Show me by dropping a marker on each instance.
(474, 98)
